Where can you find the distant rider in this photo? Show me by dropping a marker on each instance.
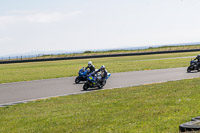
(198, 60)
(90, 66)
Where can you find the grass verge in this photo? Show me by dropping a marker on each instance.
(67, 68)
(160, 107)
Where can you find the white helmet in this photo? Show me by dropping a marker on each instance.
(89, 63)
(103, 67)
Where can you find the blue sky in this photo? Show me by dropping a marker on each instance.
(72, 25)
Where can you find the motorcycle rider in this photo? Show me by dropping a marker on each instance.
(198, 60)
(103, 72)
(90, 66)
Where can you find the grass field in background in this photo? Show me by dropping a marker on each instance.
(160, 107)
(91, 53)
(67, 68)
(150, 49)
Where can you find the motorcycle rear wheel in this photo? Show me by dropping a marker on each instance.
(77, 80)
(189, 69)
(85, 86)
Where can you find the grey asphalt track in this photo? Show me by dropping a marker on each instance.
(20, 92)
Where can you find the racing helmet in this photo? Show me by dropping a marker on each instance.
(89, 63)
(103, 67)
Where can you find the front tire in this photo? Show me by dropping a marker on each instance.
(100, 86)
(77, 80)
(104, 83)
(198, 68)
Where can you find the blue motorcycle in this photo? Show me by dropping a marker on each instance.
(82, 75)
(95, 81)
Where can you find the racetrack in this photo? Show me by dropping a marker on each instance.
(19, 92)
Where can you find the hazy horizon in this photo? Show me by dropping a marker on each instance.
(36, 53)
(27, 26)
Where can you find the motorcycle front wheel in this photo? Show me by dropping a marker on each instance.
(198, 68)
(100, 86)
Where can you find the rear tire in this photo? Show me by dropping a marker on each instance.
(77, 80)
(85, 86)
(189, 69)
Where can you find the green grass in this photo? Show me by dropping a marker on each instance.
(152, 108)
(150, 49)
(67, 68)
(90, 53)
